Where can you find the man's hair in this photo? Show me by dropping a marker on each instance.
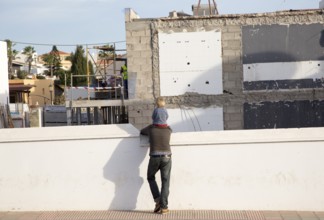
(160, 102)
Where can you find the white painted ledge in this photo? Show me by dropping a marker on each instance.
(68, 133)
(244, 137)
(177, 139)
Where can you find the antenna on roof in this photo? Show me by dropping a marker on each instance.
(210, 7)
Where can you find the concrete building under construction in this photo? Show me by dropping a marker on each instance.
(217, 72)
(225, 72)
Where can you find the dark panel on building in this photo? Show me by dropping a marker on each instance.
(322, 39)
(282, 43)
(284, 84)
(294, 114)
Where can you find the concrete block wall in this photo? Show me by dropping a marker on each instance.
(140, 115)
(234, 97)
(139, 57)
(232, 75)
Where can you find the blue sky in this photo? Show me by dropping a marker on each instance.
(71, 22)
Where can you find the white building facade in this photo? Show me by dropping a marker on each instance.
(4, 86)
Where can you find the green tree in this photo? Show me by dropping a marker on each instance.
(65, 77)
(21, 74)
(53, 61)
(29, 51)
(11, 56)
(40, 77)
(79, 66)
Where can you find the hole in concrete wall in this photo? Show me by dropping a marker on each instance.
(319, 64)
(178, 42)
(138, 111)
(188, 63)
(249, 67)
(175, 81)
(188, 85)
(203, 41)
(207, 82)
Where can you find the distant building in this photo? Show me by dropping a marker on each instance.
(19, 92)
(66, 64)
(20, 63)
(32, 91)
(16, 66)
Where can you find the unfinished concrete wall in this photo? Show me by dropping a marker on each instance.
(139, 58)
(233, 98)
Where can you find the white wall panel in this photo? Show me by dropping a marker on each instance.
(186, 119)
(190, 62)
(4, 86)
(283, 71)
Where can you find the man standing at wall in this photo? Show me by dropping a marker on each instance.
(160, 156)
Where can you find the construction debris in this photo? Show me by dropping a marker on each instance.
(5, 117)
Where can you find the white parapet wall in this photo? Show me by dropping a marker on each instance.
(4, 85)
(104, 167)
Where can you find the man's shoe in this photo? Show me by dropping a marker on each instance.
(157, 208)
(164, 211)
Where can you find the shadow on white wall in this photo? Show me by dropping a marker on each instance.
(123, 169)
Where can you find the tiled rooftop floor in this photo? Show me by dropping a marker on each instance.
(180, 215)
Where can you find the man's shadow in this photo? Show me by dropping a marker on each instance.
(123, 169)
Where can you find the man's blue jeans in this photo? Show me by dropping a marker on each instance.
(164, 165)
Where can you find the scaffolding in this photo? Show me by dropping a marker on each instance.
(108, 82)
(107, 56)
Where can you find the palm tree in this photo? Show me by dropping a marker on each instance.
(29, 51)
(11, 56)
